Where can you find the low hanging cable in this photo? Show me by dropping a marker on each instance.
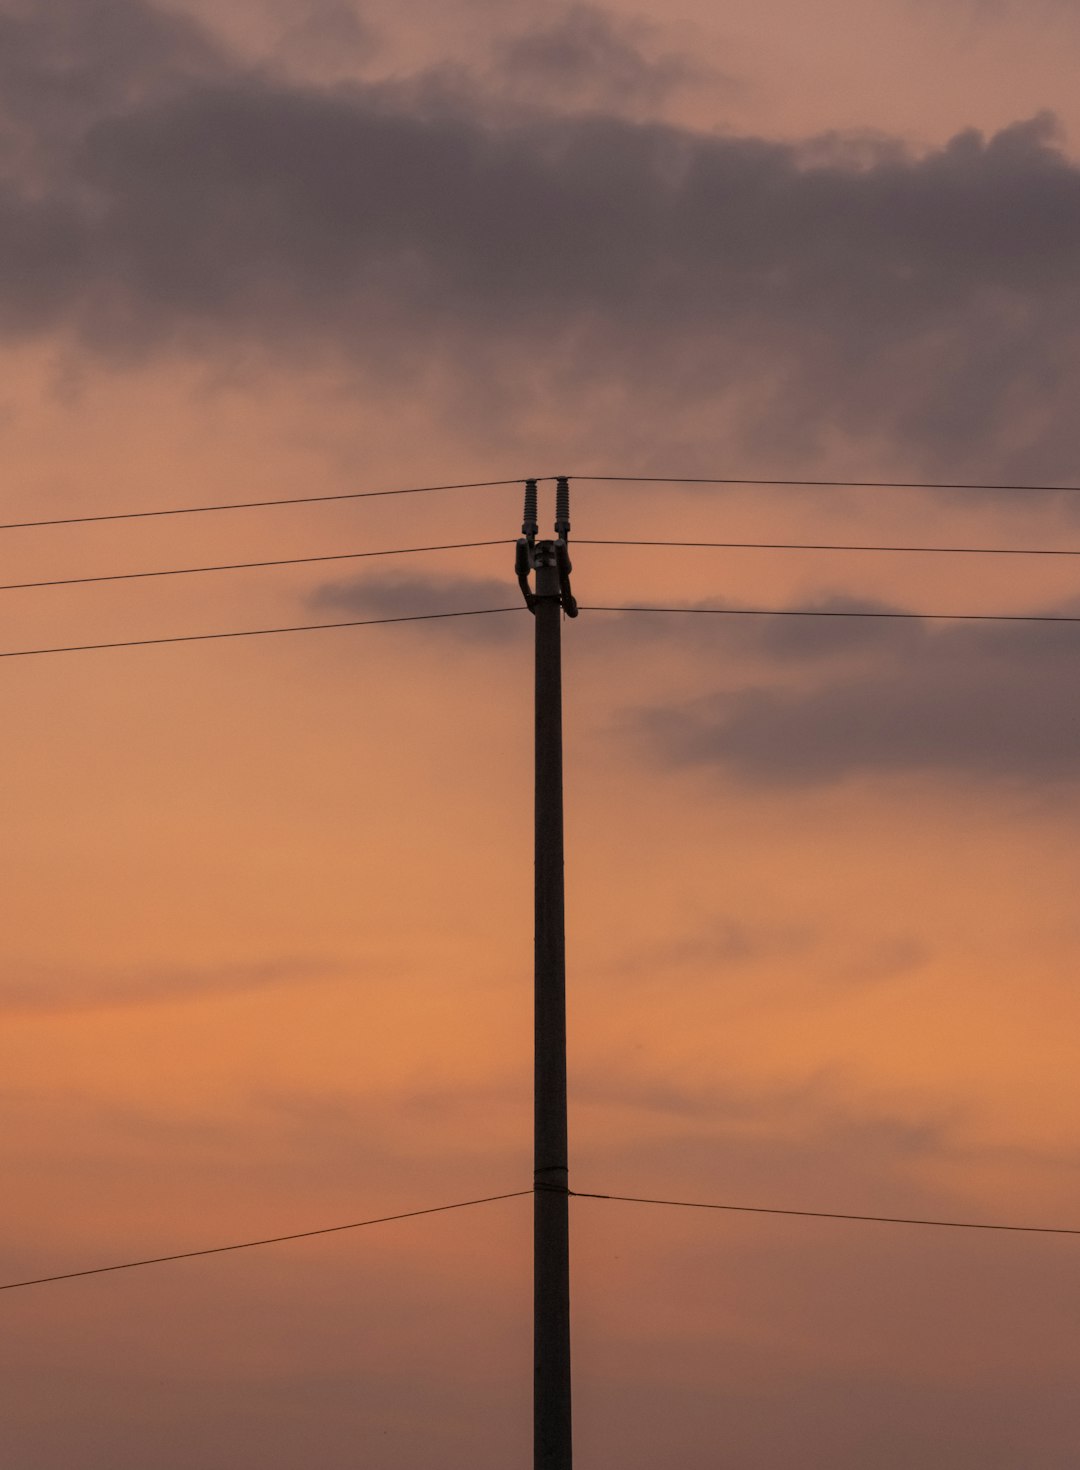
(684, 1204)
(247, 1245)
(630, 1199)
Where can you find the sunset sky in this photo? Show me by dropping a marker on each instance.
(266, 956)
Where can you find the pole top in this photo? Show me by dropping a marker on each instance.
(531, 553)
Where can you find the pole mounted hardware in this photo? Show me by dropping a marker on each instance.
(546, 557)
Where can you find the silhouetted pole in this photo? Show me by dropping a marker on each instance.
(552, 1440)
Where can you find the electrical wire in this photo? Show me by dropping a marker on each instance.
(479, 612)
(242, 566)
(247, 1245)
(827, 612)
(733, 480)
(630, 1199)
(195, 510)
(476, 612)
(831, 546)
(297, 561)
(821, 484)
(684, 1204)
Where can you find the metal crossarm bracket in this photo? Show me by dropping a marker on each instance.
(531, 554)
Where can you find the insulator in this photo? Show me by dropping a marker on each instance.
(562, 506)
(530, 525)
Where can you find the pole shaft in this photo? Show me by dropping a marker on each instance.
(552, 1446)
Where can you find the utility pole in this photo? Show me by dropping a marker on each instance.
(550, 560)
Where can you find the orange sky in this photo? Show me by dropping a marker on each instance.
(266, 959)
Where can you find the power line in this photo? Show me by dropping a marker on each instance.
(732, 480)
(194, 510)
(831, 546)
(476, 612)
(822, 484)
(296, 561)
(827, 612)
(241, 566)
(479, 612)
(684, 1204)
(246, 1245)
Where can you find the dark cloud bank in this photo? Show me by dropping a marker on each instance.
(161, 194)
(988, 701)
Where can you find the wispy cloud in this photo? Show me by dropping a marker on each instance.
(38, 988)
(778, 962)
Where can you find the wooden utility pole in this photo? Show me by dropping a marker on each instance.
(552, 1436)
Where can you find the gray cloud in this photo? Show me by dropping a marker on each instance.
(584, 56)
(778, 637)
(984, 700)
(66, 63)
(404, 596)
(329, 37)
(801, 287)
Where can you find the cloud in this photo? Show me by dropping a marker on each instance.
(778, 636)
(803, 1117)
(757, 959)
(931, 300)
(587, 57)
(988, 701)
(984, 11)
(403, 597)
(41, 989)
(66, 63)
(328, 39)
(722, 942)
